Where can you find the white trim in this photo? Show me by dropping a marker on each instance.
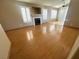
(74, 49)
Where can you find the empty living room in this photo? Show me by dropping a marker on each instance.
(39, 29)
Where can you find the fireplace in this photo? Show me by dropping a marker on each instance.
(37, 21)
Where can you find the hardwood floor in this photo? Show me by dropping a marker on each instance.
(47, 41)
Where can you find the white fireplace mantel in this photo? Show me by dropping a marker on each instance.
(37, 17)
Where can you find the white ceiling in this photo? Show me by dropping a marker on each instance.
(53, 3)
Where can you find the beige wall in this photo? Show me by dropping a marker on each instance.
(10, 15)
(73, 14)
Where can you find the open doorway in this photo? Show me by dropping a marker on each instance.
(62, 13)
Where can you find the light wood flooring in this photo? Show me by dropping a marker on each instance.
(46, 41)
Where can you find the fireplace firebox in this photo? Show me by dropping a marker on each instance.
(37, 21)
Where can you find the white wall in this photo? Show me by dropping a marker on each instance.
(73, 14)
(10, 15)
(4, 45)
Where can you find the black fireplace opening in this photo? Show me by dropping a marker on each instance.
(37, 21)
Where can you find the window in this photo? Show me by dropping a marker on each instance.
(26, 14)
(44, 14)
(53, 14)
(23, 11)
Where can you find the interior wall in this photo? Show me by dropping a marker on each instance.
(5, 44)
(72, 18)
(10, 15)
(49, 8)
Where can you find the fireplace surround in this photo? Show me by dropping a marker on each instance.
(37, 20)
